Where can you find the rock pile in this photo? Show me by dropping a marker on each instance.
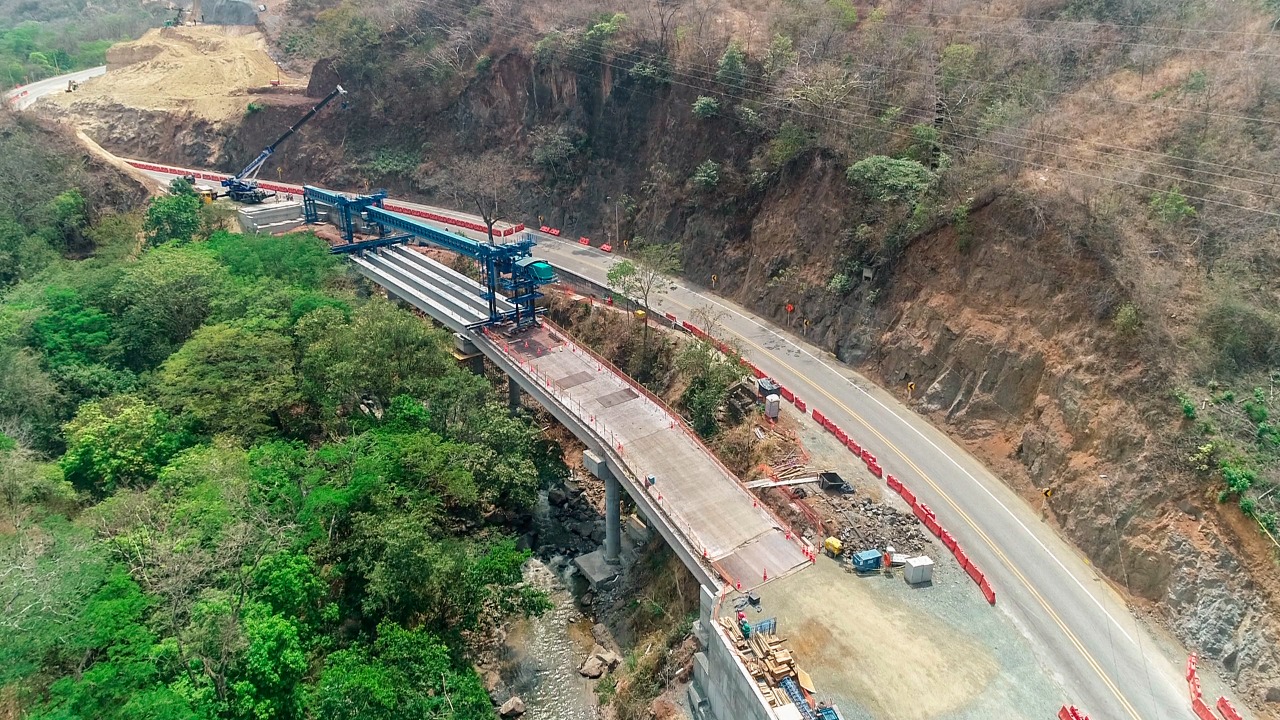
(599, 662)
(866, 524)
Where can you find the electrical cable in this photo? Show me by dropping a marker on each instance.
(1097, 98)
(534, 32)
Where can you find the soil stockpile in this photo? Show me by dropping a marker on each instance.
(210, 72)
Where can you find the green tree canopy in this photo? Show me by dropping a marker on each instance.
(406, 673)
(888, 179)
(379, 352)
(173, 217)
(231, 378)
(161, 300)
(118, 442)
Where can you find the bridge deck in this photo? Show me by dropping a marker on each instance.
(701, 497)
(713, 511)
(445, 294)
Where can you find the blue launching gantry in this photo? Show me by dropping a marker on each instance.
(508, 267)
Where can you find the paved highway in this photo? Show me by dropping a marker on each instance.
(21, 98)
(1111, 665)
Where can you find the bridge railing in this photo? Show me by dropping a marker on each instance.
(667, 515)
(679, 421)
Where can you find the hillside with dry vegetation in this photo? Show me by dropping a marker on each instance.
(1057, 219)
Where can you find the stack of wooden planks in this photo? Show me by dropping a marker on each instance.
(766, 659)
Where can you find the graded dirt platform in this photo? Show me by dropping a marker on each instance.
(209, 71)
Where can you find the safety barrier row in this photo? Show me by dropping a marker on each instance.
(550, 231)
(926, 516)
(583, 241)
(1198, 705)
(1228, 711)
(921, 510)
(873, 466)
(1071, 713)
(448, 220)
(297, 189)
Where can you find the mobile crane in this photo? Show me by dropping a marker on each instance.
(243, 186)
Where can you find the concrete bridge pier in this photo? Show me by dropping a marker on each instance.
(601, 567)
(612, 520)
(597, 466)
(514, 393)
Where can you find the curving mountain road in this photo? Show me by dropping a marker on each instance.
(20, 98)
(1114, 666)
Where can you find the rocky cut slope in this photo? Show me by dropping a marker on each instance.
(1047, 216)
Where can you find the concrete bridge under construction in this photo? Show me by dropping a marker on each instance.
(713, 523)
(636, 444)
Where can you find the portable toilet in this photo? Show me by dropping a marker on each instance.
(867, 560)
(772, 406)
(918, 570)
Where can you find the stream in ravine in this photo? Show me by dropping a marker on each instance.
(540, 656)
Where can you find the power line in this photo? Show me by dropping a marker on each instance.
(1095, 24)
(603, 62)
(1039, 38)
(1064, 141)
(1006, 158)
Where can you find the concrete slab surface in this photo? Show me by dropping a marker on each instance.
(703, 499)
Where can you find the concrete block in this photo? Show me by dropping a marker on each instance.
(701, 632)
(464, 344)
(637, 530)
(701, 669)
(698, 708)
(598, 573)
(595, 465)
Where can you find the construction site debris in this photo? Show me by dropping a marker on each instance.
(866, 523)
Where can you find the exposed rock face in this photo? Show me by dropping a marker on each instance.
(230, 12)
(1006, 341)
(1010, 358)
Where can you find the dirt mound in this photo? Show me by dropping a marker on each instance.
(206, 71)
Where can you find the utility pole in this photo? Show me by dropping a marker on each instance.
(617, 236)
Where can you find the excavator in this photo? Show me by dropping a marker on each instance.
(243, 186)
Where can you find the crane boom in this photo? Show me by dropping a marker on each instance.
(243, 187)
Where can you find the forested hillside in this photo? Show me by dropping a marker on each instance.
(1055, 219)
(43, 39)
(233, 484)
